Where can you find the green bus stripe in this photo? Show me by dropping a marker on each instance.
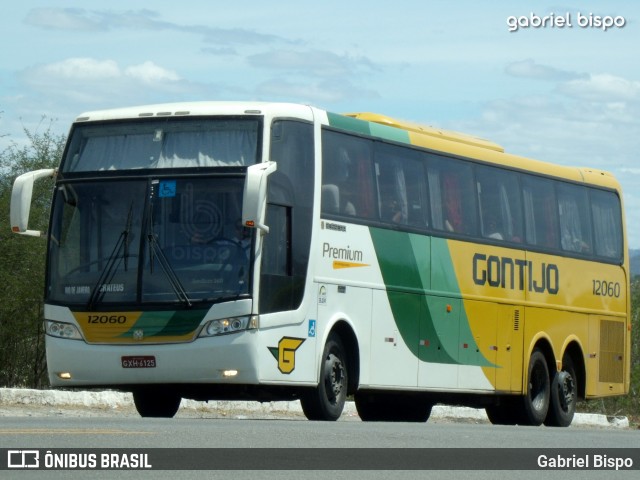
(405, 261)
(167, 323)
(368, 128)
(348, 123)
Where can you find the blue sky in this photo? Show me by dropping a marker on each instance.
(565, 94)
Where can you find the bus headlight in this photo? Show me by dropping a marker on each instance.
(229, 325)
(61, 330)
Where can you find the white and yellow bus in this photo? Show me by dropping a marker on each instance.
(266, 251)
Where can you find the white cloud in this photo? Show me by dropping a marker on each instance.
(312, 62)
(602, 88)
(95, 83)
(63, 19)
(317, 93)
(78, 69)
(530, 69)
(149, 72)
(79, 19)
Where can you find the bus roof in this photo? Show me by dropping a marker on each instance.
(427, 130)
(186, 109)
(457, 143)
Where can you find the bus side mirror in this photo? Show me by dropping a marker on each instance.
(254, 199)
(21, 200)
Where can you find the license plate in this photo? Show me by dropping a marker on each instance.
(146, 361)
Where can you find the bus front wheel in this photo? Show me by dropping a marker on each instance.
(326, 401)
(156, 402)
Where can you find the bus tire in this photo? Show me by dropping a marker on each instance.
(563, 396)
(537, 397)
(326, 401)
(156, 402)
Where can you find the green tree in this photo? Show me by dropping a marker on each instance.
(22, 353)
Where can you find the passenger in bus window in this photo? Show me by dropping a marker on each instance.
(492, 230)
(390, 209)
(344, 182)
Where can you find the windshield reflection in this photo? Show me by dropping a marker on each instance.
(149, 241)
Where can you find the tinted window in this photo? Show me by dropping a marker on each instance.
(575, 224)
(540, 212)
(607, 224)
(500, 205)
(377, 182)
(185, 143)
(289, 216)
(401, 186)
(451, 195)
(347, 176)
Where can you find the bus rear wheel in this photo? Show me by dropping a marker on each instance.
(537, 397)
(156, 402)
(563, 396)
(326, 401)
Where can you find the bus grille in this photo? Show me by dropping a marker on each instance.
(611, 351)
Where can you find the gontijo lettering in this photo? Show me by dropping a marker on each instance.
(515, 274)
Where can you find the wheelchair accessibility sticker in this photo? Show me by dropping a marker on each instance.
(312, 328)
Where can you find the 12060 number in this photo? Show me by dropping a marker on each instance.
(107, 319)
(602, 288)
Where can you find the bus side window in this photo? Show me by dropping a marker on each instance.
(401, 186)
(392, 191)
(453, 202)
(277, 246)
(575, 226)
(435, 198)
(499, 204)
(607, 224)
(540, 212)
(347, 176)
(417, 198)
(337, 182)
(343, 165)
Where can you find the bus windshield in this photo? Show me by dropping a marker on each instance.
(149, 241)
(155, 144)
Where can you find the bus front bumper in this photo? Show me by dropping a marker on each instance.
(227, 359)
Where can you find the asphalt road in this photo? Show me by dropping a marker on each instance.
(302, 443)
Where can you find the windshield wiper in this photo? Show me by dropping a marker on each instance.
(168, 270)
(110, 269)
